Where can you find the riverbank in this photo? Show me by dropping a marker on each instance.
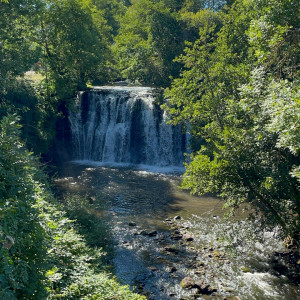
(196, 256)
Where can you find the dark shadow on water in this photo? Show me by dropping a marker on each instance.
(125, 191)
(145, 264)
(112, 198)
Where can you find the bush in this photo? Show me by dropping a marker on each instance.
(42, 256)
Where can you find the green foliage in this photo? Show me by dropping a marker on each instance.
(88, 214)
(37, 114)
(74, 36)
(17, 53)
(74, 270)
(17, 24)
(274, 37)
(149, 39)
(42, 256)
(215, 66)
(153, 33)
(70, 39)
(22, 236)
(240, 94)
(255, 154)
(196, 5)
(113, 11)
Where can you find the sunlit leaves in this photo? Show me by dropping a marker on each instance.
(17, 24)
(283, 107)
(240, 94)
(149, 39)
(41, 254)
(19, 218)
(74, 36)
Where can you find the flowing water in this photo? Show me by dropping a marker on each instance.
(125, 125)
(150, 251)
(159, 235)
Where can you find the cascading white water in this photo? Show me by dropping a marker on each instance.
(125, 125)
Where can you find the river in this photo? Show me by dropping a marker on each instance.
(159, 235)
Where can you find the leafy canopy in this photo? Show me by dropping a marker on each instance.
(239, 93)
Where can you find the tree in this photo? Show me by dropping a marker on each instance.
(149, 39)
(74, 37)
(215, 65)
(113, 11)
(255, 155)
(37, 115)
(153, 33)
(69, 39)
(18, 53)
(196, 5)
(17, 26)
(240, 94)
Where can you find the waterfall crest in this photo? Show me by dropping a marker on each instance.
(124, 125)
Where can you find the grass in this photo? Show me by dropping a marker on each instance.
(34, 76)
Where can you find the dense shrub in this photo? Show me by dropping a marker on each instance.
(42, 256)
(38, 115)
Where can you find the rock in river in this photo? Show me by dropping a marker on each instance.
(187, 282)
(171, 249)
(176, 237)
(152, 233)
(203, 287)
(143, 232)
(188, 237)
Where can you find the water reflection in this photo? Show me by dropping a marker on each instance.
(150, 253)
(143, 195)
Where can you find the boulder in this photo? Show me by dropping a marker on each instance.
(152, 233)
(176, 237)
(187, 282)
(132, 224)
(200, 271)
(143, 232)
(171, 249)
(188, 237)
(203, 287)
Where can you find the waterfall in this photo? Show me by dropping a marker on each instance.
(124, 125)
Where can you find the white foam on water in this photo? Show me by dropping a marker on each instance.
(125, 125)
(262, 281)
(141, 169)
